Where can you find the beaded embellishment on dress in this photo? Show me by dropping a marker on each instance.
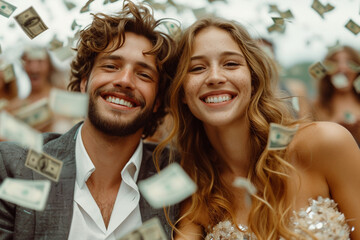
(321, 218)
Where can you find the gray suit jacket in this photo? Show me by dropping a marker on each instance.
(54, 222)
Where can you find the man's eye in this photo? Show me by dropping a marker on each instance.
(109, 66)
(145, 75)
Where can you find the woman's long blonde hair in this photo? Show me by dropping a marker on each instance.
(268, 169)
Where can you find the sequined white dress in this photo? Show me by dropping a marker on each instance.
(321, 218)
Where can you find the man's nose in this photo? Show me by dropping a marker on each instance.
(124, 78)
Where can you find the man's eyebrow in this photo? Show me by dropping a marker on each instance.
(226, 53)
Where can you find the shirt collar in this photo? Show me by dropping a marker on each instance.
(85, 167)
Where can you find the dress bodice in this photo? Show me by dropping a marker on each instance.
(321, 218)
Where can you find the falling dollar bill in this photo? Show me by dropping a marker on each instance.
(318, 7)
(287, 14)
(64, 53)
(245, 183)
(149, 230)
(74, 25)
(356, 84)
(44, 164)
(317, 70)
(349, 118)
(69, 104)
(354, 66)
(329, 7)
(9, 73)
(69, 5)
(31, 23)
(353, 27)
(339, 81)
(173, 29)
(86, 7)
(273, 8)
(280, 136)
(35, 114)
(170, 186)
(278, 20)
(3, 103)
(295, 103)
(55, 44)
(31, 194)
(12, 129)
(276, 28)
(6, 9)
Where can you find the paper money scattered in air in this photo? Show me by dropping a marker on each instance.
(31, 194)
(69, 5)
(69, 104)
(74, 25)
(320, 8)
(3, 103)
(31, 23)
(339, 81)
(276, 28)
(317, 70)
(35, 114)
(12, 129)
(170, 186)
(9, 73)
(86, 7)
(173, 29)
(278, 20)
(44, 164)
(6, 9)
(349, 118)
(245, 183)
(280, 136)
(354, 66)
(353, 27)
(295, 103)
(356, 84)
(287, 14)
(149, 230)
(55, 44)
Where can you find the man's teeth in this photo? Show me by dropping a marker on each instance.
(217, 99)
(119, 101)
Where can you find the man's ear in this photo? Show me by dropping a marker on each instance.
(83, 85)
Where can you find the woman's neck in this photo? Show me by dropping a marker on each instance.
(232, 143)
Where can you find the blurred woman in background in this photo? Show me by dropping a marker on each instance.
(338, 100)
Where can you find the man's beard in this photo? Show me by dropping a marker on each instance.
(115, 127)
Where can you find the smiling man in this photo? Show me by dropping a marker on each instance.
(123, 63)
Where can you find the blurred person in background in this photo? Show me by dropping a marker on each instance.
(293, 89)
(337, 99)
(43, 77)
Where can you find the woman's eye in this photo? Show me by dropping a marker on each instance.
(232, 64)
(196, 69)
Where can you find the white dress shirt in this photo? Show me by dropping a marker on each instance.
(87, 221)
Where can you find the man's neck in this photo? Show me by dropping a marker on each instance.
(109, 154)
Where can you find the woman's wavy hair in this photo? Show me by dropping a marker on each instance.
(269, 170)
(107, 33)
(326, 88)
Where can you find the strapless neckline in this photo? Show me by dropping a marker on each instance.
(321, 218)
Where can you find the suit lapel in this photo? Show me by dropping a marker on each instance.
(55, 221)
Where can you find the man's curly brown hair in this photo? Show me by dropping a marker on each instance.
(107, 33)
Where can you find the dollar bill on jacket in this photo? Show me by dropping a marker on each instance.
(6, 9)
(168, 187)
(12, 129)
(32, 194)
(44, 164)
(149, 230)
(31, 23)
(69, 104)
(35, 114)
(280, 136)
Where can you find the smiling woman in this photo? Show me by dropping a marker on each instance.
(224, 106)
